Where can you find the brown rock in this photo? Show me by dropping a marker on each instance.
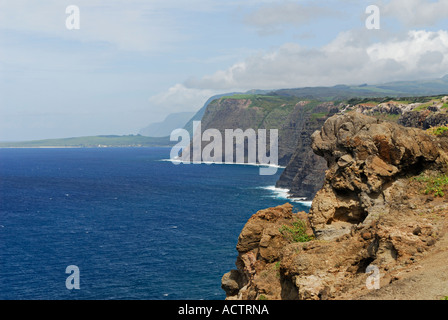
(364, 156)
(361, 217)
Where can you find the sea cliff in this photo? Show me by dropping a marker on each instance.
(382, 207)
(305, 172)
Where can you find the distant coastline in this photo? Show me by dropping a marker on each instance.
(106, 141)
(79, 147)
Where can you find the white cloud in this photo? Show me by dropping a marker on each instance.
(145, 26)
(417, 13)
(178, 98)
(269, 18)
(413, 53)
(418, 54)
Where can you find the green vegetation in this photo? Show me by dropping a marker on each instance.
(254, 96)
(436, 184)
(424, 103)
(311, 105)
(244, 96)
(280, 103)
(437, 131)
(277, 265)
(434, 100)
(273, 109)
(296, 232)
(277, 269)
(398, 89)
(423, 106)
(262, 297)
(269, 103)
(265, 102)
(403, 100)
(318, 115)
(445, 298)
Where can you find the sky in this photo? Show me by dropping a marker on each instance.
(133, 62)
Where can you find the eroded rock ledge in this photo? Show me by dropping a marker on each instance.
(370, 211)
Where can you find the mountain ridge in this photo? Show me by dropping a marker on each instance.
(165, 127)
(336, 94)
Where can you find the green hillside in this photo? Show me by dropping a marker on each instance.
(390, 89)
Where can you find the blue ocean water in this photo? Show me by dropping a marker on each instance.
(137, 227)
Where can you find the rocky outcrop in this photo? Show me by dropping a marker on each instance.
(370, 214)
(260, 247)
(424, 119)
(297, 119)
(390, 107)
(305, 172)
(365, 157)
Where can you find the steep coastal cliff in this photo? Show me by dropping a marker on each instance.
(304, 174)
(293, 117)
(382, 207)
(297, 118)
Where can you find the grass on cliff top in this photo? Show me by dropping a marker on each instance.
(318, 115)
(436, 185)
(296, 232)
(376, 101)
(271, 102)
(423, 106)
(274, 108)
(402, 100)
(437, 131)
(243, 96)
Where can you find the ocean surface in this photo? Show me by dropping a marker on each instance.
(135, 226)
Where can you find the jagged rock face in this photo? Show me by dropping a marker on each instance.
(424, 119)
(260, 246)
(292, 121)
(304, 174)
(370, 212)
(271, 267)
(364, 156)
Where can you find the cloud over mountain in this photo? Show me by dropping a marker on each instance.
(417, 13)
(347, 59)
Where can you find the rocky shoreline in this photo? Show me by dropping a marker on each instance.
(370, 214)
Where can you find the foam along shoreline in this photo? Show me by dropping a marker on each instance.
(283, 193)
(175, 161)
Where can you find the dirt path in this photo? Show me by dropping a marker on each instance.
(425, 280)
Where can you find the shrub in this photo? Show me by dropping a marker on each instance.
(437, 131)
(434, 184)
(296, 232)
